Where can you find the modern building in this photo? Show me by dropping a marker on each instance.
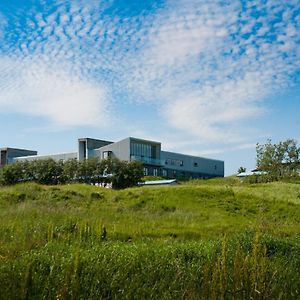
(8, 155)
(156, 161)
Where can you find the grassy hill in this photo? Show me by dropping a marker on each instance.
(198, 240)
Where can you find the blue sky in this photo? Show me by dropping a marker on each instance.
(209, 78)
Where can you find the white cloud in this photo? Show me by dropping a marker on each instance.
(169, 47)
(206, 65)
(208, 76)
(54, 93)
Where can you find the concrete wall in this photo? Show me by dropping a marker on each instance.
(57, 157)
(120, 150)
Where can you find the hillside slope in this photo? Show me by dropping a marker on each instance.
(201, 239)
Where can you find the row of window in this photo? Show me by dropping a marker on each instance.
(174, 162)
(177, 162)
(155, 172)
(169, 173)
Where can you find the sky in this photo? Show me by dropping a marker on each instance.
(206, 78)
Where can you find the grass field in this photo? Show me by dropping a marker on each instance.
(216, 239)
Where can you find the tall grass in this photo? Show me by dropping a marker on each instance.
(195, 241)
(118, 270)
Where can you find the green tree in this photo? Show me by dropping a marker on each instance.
(47, 171)
(127, 174)
(87, 169)
(70, 170)
(11, 174)
(241, 170)
(278, 159)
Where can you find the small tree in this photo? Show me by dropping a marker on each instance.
(86, 169)
(241, 170)
(47, 171)
(127, 174)
(70, 170)
(11, 174)
(278, 159)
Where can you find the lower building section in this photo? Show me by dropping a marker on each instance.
(178, 174)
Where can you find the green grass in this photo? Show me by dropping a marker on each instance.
(216, 239)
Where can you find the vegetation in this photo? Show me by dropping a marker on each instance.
(241, 170)
(152, 178)
(216, 239)
(279, 160)
(50, 172)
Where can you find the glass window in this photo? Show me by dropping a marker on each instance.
(106, 154)
(140, 149)
(153, 151)
(145, 171)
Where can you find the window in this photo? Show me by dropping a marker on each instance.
(164, 173)
(155, 172)
(174, 162)
(168, 161)
(106, 154)
(195, 164)
(145, 171)
(143, 150)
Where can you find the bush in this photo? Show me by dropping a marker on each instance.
(51, 172)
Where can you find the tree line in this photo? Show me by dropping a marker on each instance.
(120, 174)
(281, 159)
(277, 161)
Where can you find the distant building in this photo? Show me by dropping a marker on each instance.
(156, 161)
(8, 155)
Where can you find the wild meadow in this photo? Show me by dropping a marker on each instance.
(215, 239)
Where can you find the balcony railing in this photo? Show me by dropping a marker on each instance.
(147, 160)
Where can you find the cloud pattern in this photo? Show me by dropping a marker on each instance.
(205, 66)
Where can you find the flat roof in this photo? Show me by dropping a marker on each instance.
(88, 138)
(19, 149)
(46, 155)
(143, 140)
